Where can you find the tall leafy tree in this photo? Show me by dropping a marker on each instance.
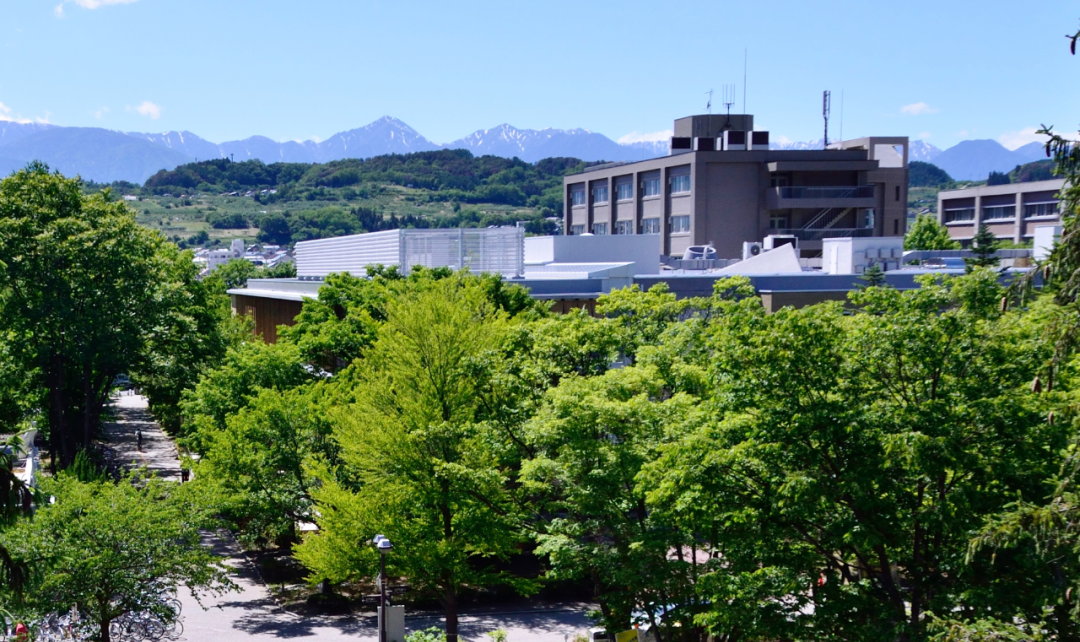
(852, 456)
(86, 289)
(590, 439)
(109, 549)
(420, 463)
(927, 234)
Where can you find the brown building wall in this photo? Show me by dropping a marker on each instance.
(733, 212)
(267, 313)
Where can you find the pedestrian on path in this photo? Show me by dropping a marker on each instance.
(138, 439)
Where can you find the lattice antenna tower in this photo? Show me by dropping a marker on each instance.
(826, 106)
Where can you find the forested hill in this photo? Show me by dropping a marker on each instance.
(456, 175)
(214, 201)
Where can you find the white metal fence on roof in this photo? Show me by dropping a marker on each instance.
(500, 250)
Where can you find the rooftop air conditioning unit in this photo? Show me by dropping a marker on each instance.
(759, 141)
(734, 141)
(774, 241)
(750, 250)
(705, 144)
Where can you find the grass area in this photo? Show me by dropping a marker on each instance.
(179, 216)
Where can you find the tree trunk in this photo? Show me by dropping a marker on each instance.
(88, 404)
(450, 604)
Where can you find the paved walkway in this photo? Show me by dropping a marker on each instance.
(252, 615)
(158, 452)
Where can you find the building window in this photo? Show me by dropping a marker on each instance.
(868, 219)
(624, 191)
(651, 187)
(999, 212)
(1032, 210)
(778, 181)
(624, 227)
(599, 194)
(898, 192)
(962, 214)
(650, 225)
(680, 224)
(577, 197)
(778, 221)
(680, 184)
(599, 229)
(577, 230)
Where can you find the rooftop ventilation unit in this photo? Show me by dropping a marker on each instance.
(774, 241)
(705, 144)
(750, 250)
(734, 141)
(759, 141)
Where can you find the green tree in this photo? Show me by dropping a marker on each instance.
(86, 289)
(922, 174)
(110, 549)
(245, 370)
(590, 439)
(927, 234)
(256, 464)
(873, 276)
(852, 455)
(984, 246)
(420, 463)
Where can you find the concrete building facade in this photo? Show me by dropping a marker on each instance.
(723, 186)
(1011, 212)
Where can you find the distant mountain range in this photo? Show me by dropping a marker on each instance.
(105, 155)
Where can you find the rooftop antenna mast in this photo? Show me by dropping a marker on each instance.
(708, 105)
(826, 104)
(729, 100)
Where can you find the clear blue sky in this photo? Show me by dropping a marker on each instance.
(943, 70)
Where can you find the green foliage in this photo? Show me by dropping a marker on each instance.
(984, 246)
(927, 234)
(921, 174)
(998, 178)
(873, 276)
(110, 549)
(421, 453)
(256, 464)
(224, 390)
(1043, 170)
(846, 446)
(430, 634)
(498, 635)
(89, 294)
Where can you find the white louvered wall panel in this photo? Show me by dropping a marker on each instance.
(500, 250)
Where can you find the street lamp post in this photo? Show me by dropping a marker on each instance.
(383, 545)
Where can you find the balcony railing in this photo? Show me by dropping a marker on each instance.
(855, 191)
(831, 233)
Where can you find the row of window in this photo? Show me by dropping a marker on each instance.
(625, 191)
(1001, 212)
(679, 224)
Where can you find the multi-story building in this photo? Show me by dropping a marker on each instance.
(722, 186)
(1010, 212)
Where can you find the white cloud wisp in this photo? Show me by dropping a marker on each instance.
(1014, 140)
(654, 137)
(917, 109)
(148, 109)
(87, 4)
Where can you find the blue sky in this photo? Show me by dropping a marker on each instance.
(944, 71)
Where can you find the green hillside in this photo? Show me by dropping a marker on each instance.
(218, 200)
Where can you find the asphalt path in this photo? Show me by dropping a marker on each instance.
(252, 615)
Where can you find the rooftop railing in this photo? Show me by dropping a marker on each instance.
(854, 191)
(830, 233)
